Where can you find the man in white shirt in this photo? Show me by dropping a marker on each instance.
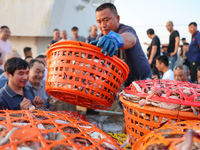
(162, 64)
(5, 45)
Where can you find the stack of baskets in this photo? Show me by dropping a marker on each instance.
(49, 130)
(140, 120)
(78, 73)
(172, 137)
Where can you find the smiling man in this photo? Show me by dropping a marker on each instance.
(15, 95)
(181, 73)
(36, 82)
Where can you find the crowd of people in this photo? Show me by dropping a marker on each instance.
(22, 80)
(173, 61)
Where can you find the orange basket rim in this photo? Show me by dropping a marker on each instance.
(92, 48)
(155, 109)
(179, 85)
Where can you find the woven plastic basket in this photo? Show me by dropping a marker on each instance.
(78, 73)
(171, 137)
(50, 130)
(141, 120)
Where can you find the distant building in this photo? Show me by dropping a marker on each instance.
(32, 22)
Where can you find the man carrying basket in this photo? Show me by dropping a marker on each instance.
(121, 40)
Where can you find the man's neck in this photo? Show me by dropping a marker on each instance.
(76, 37)
(16, 89)
(172, 31)
(92, 35)
(165, 69)
(3, 39)
(35, 85)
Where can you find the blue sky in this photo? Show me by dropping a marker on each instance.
(145, 14)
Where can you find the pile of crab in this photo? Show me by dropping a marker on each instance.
(176, 136)
(167, 94)
(45, 130)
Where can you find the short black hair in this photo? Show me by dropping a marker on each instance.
(193, 23)
(31, 63)
(41, 56)
(198, 69)
(112, 8)
(183, 39)
(26, 50)
(163, 59)
(3, 27)
(74, 28)
(150, 31)
(15, 63)
(56, 30)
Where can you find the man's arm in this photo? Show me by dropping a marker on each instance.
(129, 40)
(177, 41)
(153, 53)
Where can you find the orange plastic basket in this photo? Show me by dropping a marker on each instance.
(141, 120)
(170, 87)
(170, 137)
(78, 73)
(49, 130)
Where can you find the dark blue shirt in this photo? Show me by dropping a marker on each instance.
(134, 57)
(11, 100)
(194, 50)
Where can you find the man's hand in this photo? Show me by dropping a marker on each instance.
(38, 102)
(109, 43)
(172, 54)
(25, 104)
(150, 61)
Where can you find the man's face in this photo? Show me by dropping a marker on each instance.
(94, 30)
(179, 75)
(19, 77)
(56, 34)
(192, 29)
(36, 73)
(75, 33)
(5, 33)
(169, 26)
(198, 77)
(63, 34)
(107, 21)
(158, 65)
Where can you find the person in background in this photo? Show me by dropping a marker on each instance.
(162, 64)
(194, 50)
(181, 73)
(36, 82)
(27, 52)
(198, 75)
(3, 76)
(172, 47)
(185, 55)
(1, 62)
(15, 95)
(5, 45)
(93, 34)
(63, 35)
(154, 49)
(76, 37)
(28, 58)
(43, 58)
(121, 40)
(56, 36)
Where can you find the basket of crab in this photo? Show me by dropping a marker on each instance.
(150, 103)
(44, 130)
(176, 136)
